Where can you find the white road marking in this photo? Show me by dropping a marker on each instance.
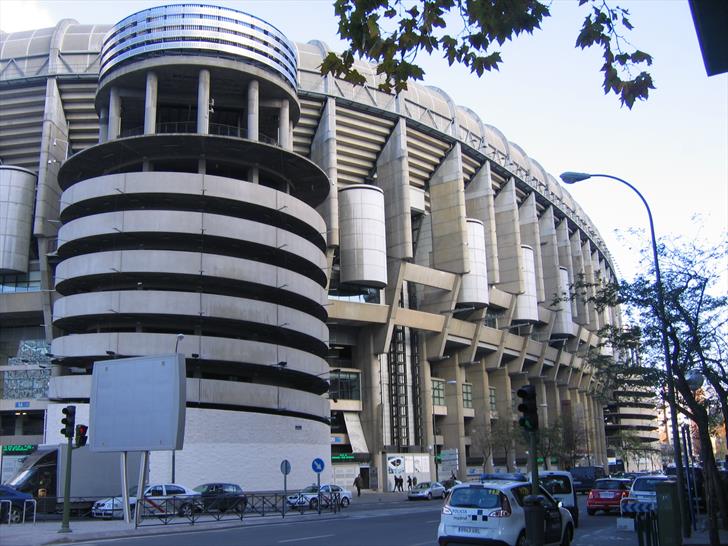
(304, 538)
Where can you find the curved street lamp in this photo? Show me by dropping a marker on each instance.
(570, 177)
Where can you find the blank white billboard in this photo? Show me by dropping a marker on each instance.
(138, 404)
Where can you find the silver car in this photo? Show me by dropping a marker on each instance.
(427, 490)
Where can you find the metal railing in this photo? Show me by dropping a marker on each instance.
(15, 514)
(219, 129)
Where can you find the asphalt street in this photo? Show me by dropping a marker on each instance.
(400, 523)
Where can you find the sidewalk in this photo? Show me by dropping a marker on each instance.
(46, 532)
(701, 537)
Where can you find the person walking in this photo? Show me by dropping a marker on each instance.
(357, 484)
(409, 483)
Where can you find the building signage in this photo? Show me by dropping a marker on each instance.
(24, 404)
(342, 457)
(18, 449)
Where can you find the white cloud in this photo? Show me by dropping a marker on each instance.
(17, 15)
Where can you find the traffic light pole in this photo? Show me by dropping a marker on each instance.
(533, 460)
(67, 489)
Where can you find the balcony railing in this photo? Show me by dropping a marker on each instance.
(219, 129)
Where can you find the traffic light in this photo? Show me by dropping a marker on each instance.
(528, 408)
(68, 421)
(81, 438)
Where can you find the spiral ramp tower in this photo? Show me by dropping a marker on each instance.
(194, 216)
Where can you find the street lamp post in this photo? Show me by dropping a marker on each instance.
(573, 178)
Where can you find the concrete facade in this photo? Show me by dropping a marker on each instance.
(180, 195)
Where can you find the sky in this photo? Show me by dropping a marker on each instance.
(547, 98)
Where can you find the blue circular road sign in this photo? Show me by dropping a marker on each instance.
(285, 467)
(318, 465)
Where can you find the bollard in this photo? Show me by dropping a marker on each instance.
(535, 514)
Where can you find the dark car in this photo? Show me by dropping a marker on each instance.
(585, 476)
(222, 497)
(17, 505)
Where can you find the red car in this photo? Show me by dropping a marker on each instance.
(607, 494)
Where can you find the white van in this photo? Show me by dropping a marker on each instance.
(560, 484)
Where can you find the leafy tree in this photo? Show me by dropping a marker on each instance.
(550, 442)
(391, 33)
(574, 440)
(696, 321)
(503, 439)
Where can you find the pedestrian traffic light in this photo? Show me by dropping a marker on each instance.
(528, 408)
(68, 421)
(81, 438)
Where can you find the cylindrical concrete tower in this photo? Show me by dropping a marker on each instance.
(17, 193)
(363, 236)
(474, 291)
(193, 217)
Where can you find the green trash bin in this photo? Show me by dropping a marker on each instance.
(668, 514)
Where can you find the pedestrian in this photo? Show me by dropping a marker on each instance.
(357, 484)
(409, 483)
(401, 483)
(414, 481)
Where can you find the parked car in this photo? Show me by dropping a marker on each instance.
(607, 494)
(643, 488)
(561, 486)
(159, 500)
(491, 512)
(310, 496)
(427, 490)
(585, 476)
(222, 497)
(17, 505)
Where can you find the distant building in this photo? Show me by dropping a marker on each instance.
(358, 276)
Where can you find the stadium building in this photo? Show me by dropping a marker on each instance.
(350, 274)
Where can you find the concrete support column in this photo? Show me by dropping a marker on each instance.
(542, 401)
(453, 429)
(480, 425)
(284, 125)
(500, 379)
(372, 404)
(553, 403)
(114, 114)
(203, 102)
(253, 110)
(150, 104)
(103, 125)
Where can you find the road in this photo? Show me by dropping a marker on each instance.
(400, 523)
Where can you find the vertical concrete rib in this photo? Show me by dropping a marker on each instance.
(393, 178)
(565, 259)
(323, 153)
(103, 124)
(253, 110)
(509, 239)
(449, 230)
(284, 128)
(114, 114)
(528, 221)
(549, 258)
(479, 204)
(203, 102)
(150, 104)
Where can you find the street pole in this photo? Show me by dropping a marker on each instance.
(533, 459)
(572, 178)
(67, 489)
